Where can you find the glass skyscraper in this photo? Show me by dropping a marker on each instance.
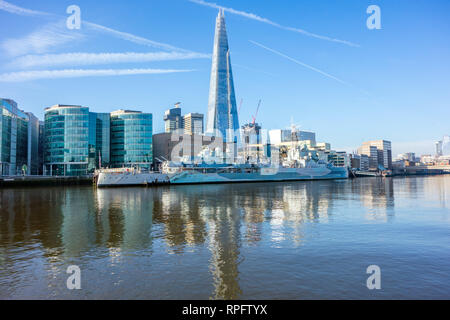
(222, 111)
(131, 139)
(18, 140)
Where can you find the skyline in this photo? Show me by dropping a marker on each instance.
(408, 85)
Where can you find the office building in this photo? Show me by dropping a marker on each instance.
(66, 151)
(280, 136)
(131, 139)
(173, 120)
(222, 117)
(19, 140)
(193, 123)
(99, 140)
(185, 148)
(383, 153)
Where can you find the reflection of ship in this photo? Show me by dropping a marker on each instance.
(221, 173)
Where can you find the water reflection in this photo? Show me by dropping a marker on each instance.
(53, 226)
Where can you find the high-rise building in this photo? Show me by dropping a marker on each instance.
(222, 115)
(19, 140)
(131, 139)
(173, 120)
(193, 123)
(372, 153)
(439, 148)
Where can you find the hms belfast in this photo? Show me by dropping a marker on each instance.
(222, 121)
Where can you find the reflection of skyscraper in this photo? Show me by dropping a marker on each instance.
(222, 110)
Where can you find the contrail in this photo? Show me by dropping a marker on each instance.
(84, 59)
(11, 8)
(300, 63)
(77, 73)
(270, 22)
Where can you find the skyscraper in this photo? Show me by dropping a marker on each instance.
(193, 123)
(173, 120)
(222, 111)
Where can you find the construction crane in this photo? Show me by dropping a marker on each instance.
(256, 114)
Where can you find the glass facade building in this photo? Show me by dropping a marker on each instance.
(15, 141)
(222, 112)
(131, 139)
(66, 151)
(99, 140)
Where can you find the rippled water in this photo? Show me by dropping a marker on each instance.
(299, 240)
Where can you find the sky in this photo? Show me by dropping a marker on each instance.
(312, 63)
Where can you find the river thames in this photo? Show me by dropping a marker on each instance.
(296, 240)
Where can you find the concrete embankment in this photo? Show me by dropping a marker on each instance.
(37, 181)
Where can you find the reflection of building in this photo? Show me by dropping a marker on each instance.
(193, 123)
(19, 133)
(131, 139)
(222, 111)
(173, 120)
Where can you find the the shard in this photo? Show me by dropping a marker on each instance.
(222, 111)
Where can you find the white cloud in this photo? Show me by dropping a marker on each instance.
(255, 17)
(42, 40)
(83, 59)
(11, 8)
(77, 73)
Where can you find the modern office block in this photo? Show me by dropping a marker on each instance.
(18, 141)
(173, 121)
(131, 139)
(66, 151)
(193, 123)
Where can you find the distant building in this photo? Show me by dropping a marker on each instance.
(379, 152)
(173, 120)
(253, 148)
(131, 139)
(182, 147)
(280, 136)
(19, 140)
(439, 148)
(372, 153)
(41, 146)
(193, 123)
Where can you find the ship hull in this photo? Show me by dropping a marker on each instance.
(274, 176)
(189, 177)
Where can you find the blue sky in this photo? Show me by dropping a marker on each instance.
(366, 84)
